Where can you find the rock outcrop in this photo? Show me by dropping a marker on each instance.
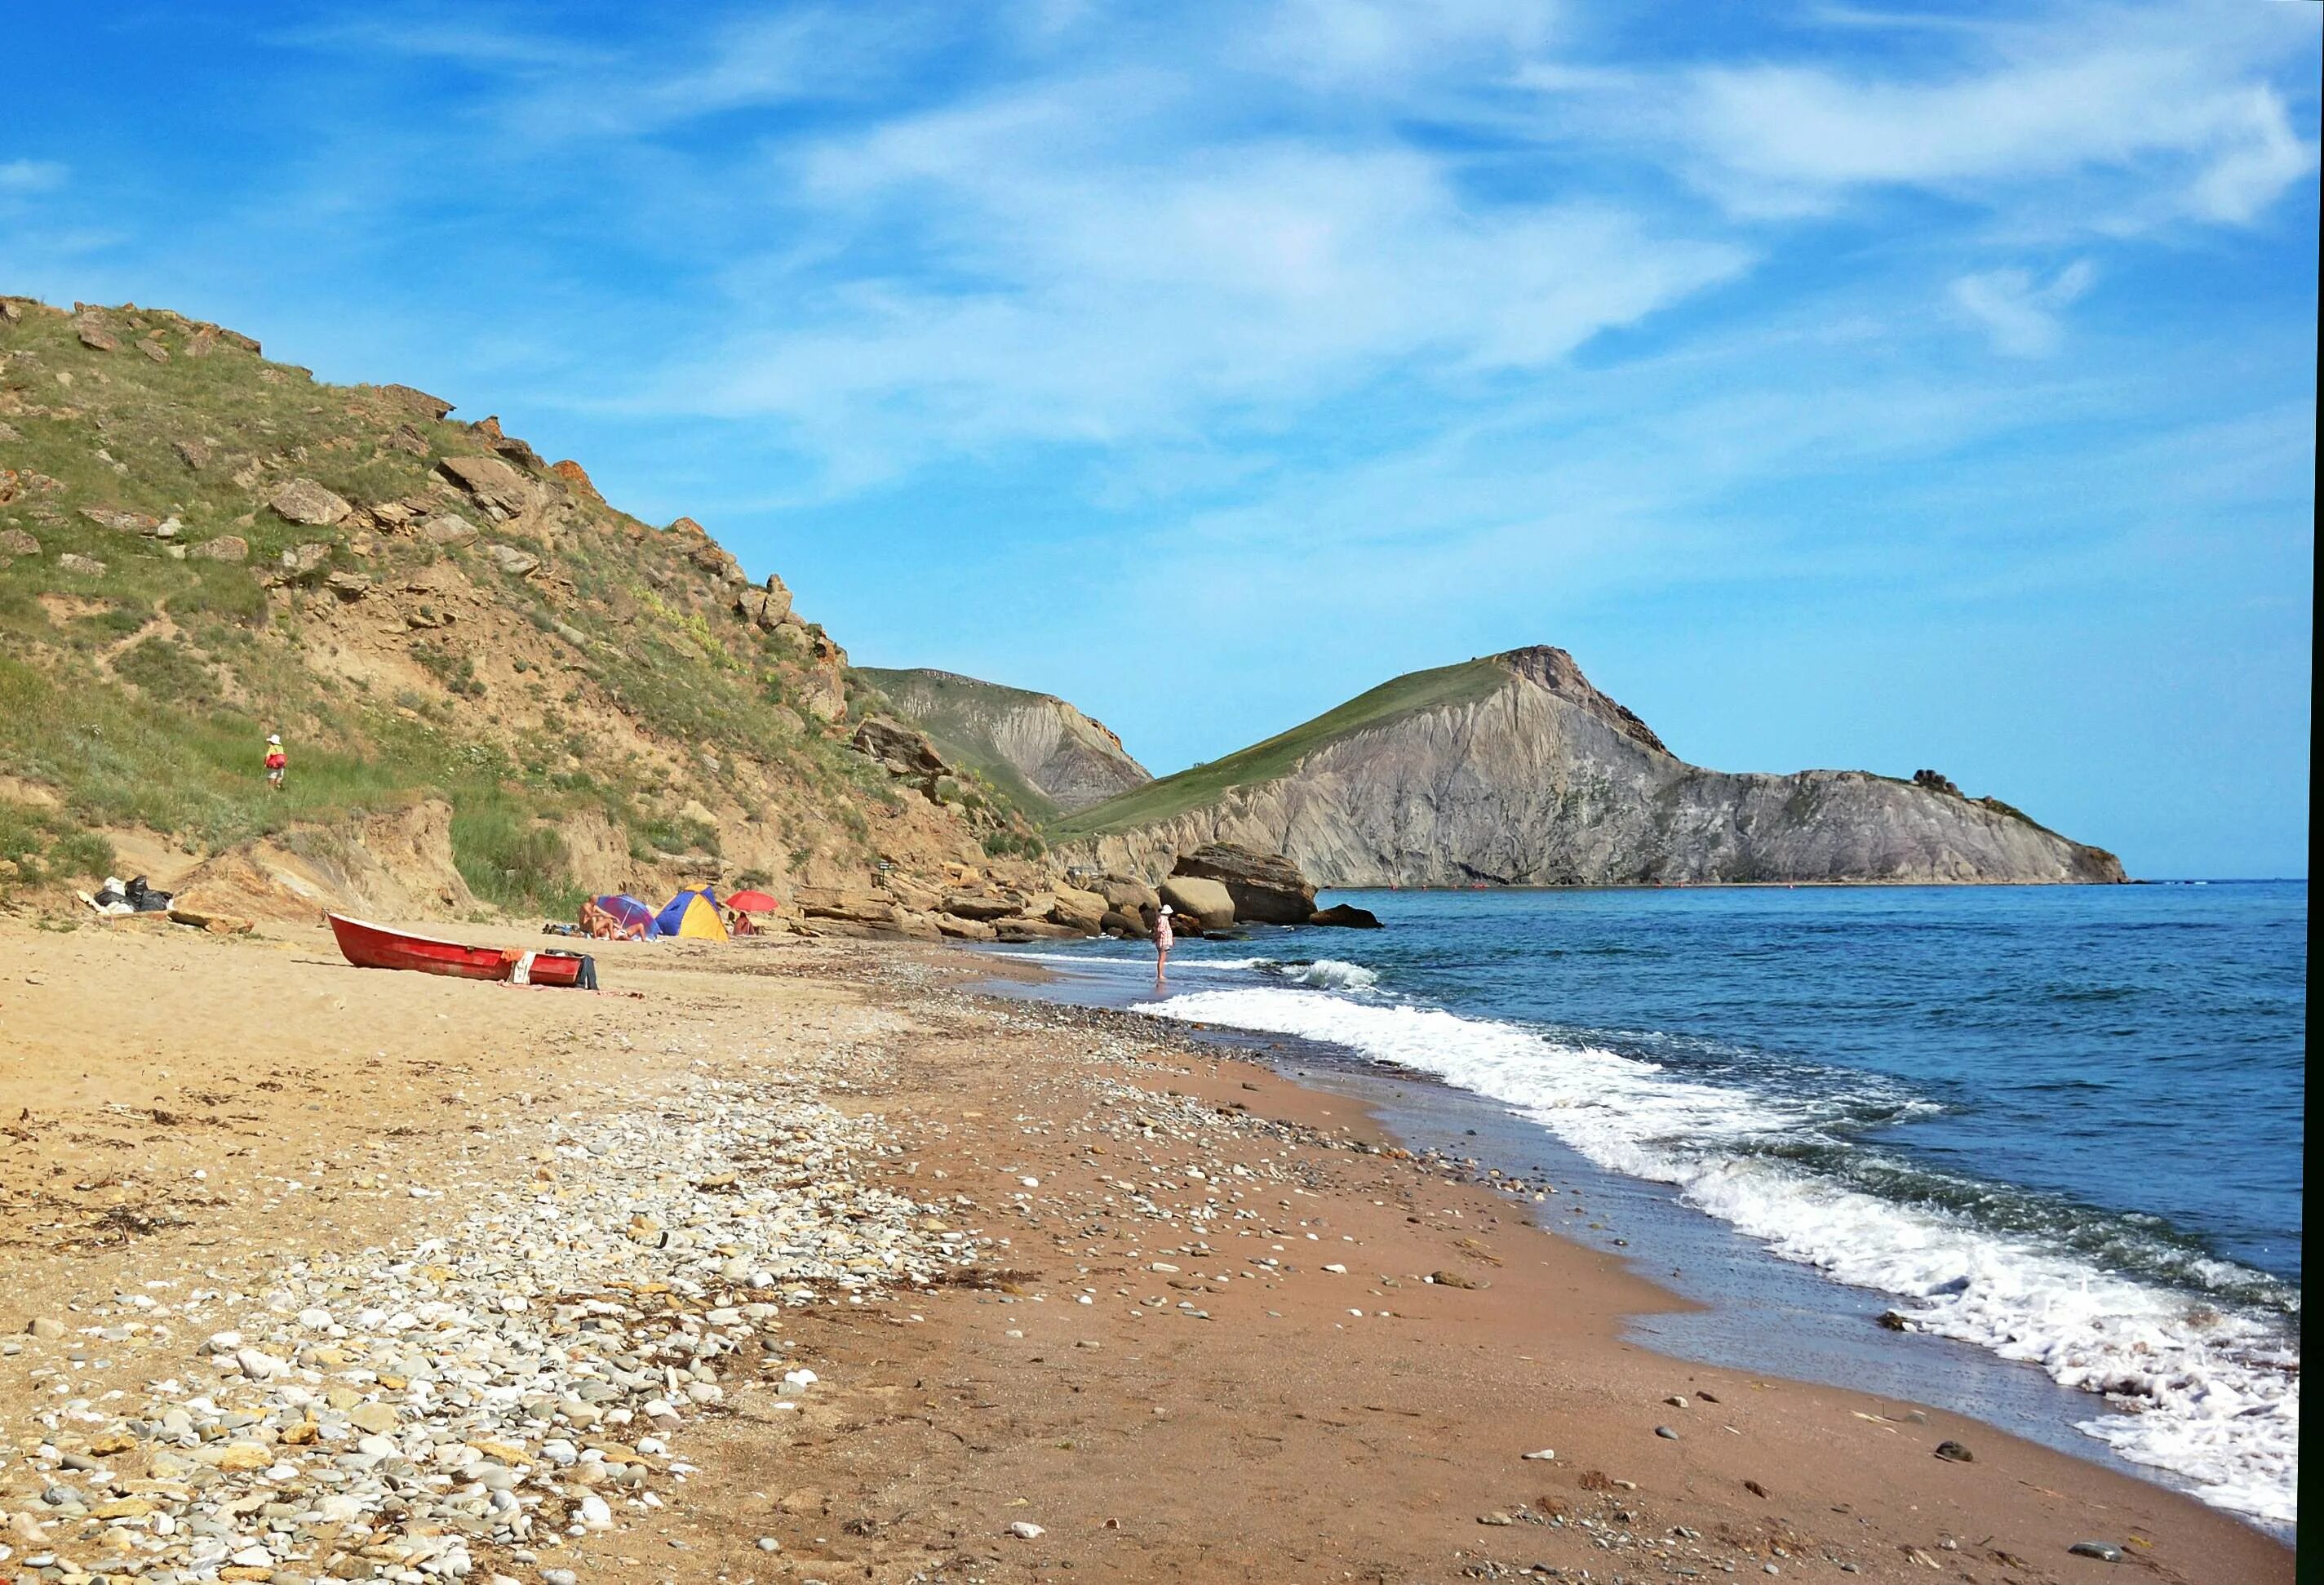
(1037, 748)
(1515, 770)
(1266, 888)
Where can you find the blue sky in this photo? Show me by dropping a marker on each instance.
(1844, 386)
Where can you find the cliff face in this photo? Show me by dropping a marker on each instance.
(1544, 780)
(1041, 750)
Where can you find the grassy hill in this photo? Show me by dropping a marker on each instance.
(1461, 684)
(456, 618)
(1038, 751)
(952, 711)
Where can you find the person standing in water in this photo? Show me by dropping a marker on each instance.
(277, 761)
(1162, 939)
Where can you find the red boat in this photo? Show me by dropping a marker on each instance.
(375, 946)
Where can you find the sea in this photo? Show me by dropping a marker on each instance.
(2034, 1153)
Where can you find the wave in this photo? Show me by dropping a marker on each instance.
(2211, 1387)
(1322, 974)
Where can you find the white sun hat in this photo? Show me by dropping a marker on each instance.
(1165, 908)
(274, 737)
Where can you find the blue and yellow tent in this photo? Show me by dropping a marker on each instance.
(694, 914)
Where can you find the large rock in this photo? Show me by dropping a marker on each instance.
(416, 402)
(225, 548)
(16, 542)
(1200, 899)
(303, 560)
(86, 566)
(1079, 910)
(1346, 915)
(513, 561)
(449, 530)
(979, 904)
(304, 502)
(491, 481)
(853, 908)
(898, 749)
(1019, 932)
(766, 607)
(96, 336)
(1127, 894)
(1267, 888)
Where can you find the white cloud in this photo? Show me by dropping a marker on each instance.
(1380, 43)
(30, 176)
(2018, 312)
(1087, 287)
(2190, 120)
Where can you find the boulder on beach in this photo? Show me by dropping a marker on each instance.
(1346, 915)
(1267, 888)
(1205, 901)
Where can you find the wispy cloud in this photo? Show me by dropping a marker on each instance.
(2181, 117)
(2018, 311)
(30, 176)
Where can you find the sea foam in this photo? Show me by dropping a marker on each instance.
(2211, 1392)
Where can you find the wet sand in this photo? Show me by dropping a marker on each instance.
(1225, 1407)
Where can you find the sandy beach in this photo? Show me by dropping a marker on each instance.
(802, 1260)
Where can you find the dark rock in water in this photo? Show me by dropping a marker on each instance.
(1346, 914)
(1953, 1452)
(1267, 888)
(1119, 924)
(1894, 1321)
(2097, 1549)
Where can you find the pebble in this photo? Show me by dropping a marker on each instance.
(2099, 1550)
(1666, 1433)
(1025, 1530)
(768, 1543)
(1543, 1453)
(1953, 1452)
(486, 1384)
(1675, 1401)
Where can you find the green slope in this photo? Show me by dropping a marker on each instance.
(1462, 684)
(951, 727)
(138, 695)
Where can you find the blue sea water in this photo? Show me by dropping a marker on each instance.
(2062, 1124)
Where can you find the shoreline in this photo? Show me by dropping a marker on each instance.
(1385, 1443)
(1731, 1304)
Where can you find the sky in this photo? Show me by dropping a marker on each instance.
(1842, 386)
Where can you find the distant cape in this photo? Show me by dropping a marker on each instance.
(1513, 769)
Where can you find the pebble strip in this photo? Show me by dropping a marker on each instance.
(476, 1403)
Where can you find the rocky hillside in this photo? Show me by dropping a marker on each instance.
(1046, 755)
(1513, 769)
(494, 687)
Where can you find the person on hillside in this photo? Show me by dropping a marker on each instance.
(277, 761)
(1162, 942)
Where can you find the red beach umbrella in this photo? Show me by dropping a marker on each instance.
(752, 902)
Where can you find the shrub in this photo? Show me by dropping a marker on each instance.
(164, 672)
(84, 853)
(509, 859)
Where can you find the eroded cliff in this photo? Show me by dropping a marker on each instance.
(1515, 770)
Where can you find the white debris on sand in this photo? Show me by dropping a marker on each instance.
(464, 1405)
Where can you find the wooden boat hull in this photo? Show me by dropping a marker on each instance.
(373, 947)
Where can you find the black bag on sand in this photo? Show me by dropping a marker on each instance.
(144, 898)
